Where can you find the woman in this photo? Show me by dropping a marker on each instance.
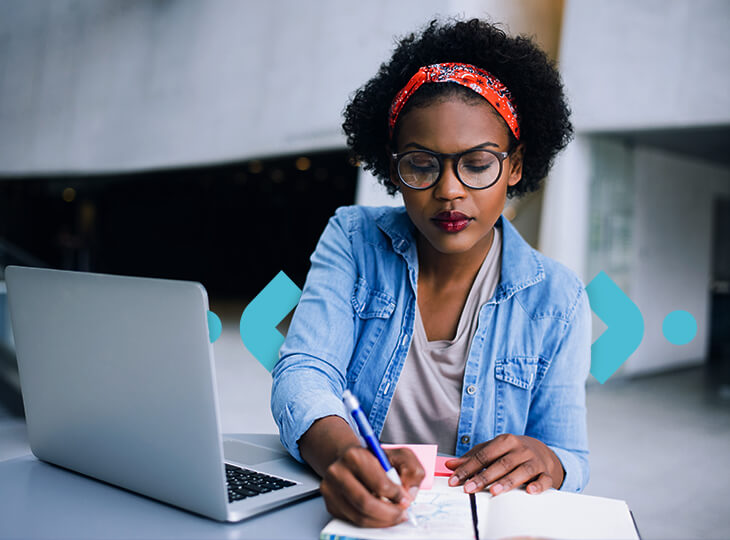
(438, 316)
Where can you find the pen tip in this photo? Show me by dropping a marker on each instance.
(412, 519)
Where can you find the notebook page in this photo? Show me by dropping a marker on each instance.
(555, 514)
(442, 513)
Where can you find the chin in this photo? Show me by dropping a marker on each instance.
(452, 245)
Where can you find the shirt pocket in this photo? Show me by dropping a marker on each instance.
(519, 371)
(373, 309)
(515, 377)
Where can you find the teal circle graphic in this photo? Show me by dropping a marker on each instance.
(214, 326)
(679, 327)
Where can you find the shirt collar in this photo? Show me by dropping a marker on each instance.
(521, 266)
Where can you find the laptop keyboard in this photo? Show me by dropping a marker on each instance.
(243, 483)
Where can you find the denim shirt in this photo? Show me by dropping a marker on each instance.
(527, 363)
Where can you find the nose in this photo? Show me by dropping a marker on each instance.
(449, 186)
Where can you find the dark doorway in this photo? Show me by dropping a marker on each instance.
(232, 227)
(719, 361)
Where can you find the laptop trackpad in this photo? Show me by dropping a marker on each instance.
(249, 454)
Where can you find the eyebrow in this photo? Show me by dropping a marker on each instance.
(421, 147)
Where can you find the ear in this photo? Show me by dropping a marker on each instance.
(515, 165)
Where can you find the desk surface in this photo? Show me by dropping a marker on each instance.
(38, 500)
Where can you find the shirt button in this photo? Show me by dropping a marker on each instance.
(471, 389)
(465, 439)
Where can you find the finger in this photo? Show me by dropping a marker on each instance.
(368, 471)
(542, 483)
(481, 456)
(500, 471)
(455, 462)
(347, 497)
(409, 469)
(520, 475)
(340, 507)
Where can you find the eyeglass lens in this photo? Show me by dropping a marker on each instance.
(477, 168)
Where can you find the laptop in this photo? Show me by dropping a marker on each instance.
(118, 383)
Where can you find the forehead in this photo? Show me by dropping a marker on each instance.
(452, 125)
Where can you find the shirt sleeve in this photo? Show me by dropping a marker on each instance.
(557, 414)
(309, 377)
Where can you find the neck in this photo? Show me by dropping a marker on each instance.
(442, 268)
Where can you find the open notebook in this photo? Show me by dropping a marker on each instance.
(444, 512)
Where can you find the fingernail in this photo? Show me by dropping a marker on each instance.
(453, 481)
(531, 489)
(404, 516)
(413, 492)
(470, 486)
(497, 488)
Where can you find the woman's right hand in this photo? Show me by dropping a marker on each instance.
(356, 488)
(354, 484)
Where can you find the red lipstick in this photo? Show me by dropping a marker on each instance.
(451, 221)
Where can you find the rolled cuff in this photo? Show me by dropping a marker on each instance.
(576, 469)
(294, 422)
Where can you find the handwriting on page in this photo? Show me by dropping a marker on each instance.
(442, 513)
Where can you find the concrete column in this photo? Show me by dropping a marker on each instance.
(370, 192)
(564, 221)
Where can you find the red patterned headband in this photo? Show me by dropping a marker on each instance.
(467, 75)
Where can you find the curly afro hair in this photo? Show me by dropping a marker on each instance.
(531, 77)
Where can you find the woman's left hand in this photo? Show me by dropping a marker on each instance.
(507, 461)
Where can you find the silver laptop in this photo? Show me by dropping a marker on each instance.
(118, 382)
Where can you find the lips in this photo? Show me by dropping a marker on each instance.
(451, 221)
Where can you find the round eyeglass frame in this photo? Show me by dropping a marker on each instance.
(501, 156)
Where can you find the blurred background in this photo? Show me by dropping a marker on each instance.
(201, 140)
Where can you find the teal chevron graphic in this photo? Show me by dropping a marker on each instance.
(612, 348)
(259, 319)
(625, 326)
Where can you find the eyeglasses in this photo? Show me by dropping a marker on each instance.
(476, 169)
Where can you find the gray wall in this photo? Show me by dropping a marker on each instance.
(650, 63)
(114, 85)
(673, 251)
(632, 68)
(126, 85)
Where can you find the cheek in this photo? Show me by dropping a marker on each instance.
(411, 207)
(414, 201)
(494, 199)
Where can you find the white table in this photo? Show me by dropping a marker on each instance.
(38, 501)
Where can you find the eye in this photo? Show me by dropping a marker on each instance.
(421, 161)
(478, 161)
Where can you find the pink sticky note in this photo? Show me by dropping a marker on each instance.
(426, 454)
(441, 468)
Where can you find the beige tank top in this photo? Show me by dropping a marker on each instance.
(427, 400)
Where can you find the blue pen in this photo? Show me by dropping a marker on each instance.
(367, 433)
